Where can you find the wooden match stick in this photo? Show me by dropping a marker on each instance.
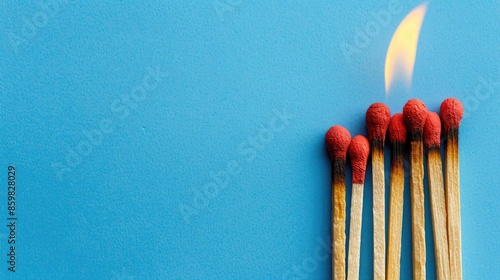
(432, 141)
(378, 117)
(397, 137)
(451, 115)
(359, 150)
(415, 114)
(337, 140)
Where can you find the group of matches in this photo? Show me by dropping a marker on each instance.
(422, 128)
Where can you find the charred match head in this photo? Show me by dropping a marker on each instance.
(415, 114)
(397, 136)
(432, 131)
(337, 140)
(451, 114)
(397, 129)
(378, 117)
(359, 149)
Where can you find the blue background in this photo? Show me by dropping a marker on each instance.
(134, 204)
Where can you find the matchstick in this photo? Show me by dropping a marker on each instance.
(397, 137)
(432, 141)
(359, 150)
(377, 120)
(337, 140)
(415, 114)
(451, 115)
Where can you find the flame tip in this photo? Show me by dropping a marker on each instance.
(403, 47)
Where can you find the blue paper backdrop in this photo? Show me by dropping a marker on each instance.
(184, 140)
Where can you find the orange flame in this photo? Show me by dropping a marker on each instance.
(403, 47)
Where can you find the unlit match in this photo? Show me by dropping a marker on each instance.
(397, 137)
(415, 114)
(337, 140)
(432, 141)
(377, 120)
(359, 150)
(451, 114)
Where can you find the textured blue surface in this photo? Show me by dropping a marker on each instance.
(206, 120)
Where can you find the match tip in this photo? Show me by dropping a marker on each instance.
(378, 117)
(451, 113)
(414, 114)
(337, 140)
(432, 131)
(359, 149)
(397, 129)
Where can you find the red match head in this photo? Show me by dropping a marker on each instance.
(337, 140)
(451, 113)
(359, 149)
(432, 131)
(378, 117)
(397, 129)
(414, 114)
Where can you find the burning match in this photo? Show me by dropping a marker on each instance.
(337, 140)
(359, 150)
(415, 114)
(451, 115)
(432, 141)
(378, 117)
(397, 137)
